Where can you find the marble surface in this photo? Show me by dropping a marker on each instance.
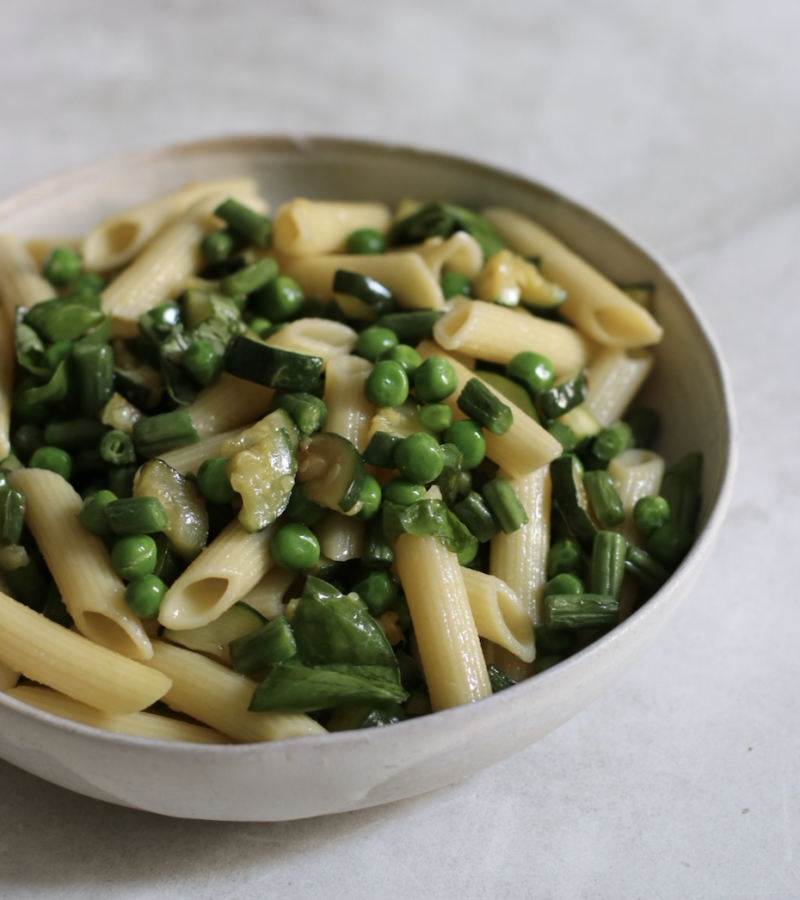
(679, 120)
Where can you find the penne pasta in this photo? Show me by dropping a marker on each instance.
(231, 566)
(310, 227)
(443, 622)
(115, 241)
(506, 661)
(525, 447)
(340, 537)
(232, 403)
(636, 474)
(268, 596)
(7, 360)
(596, 305)
(79, 562)
(459, 253)
(138, 724)
(190, 458)
(500, 614)
(160, 271)
(316, 337)
(497, 334)
(20, 281)
(72, 664)
(211, 693)
(405, 274)
(350, 414)
(520, 559)
(615, 377)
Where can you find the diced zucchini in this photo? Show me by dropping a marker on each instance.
(187, 530)
(511, 391)
(332, 470)
(272, 366)
(399, 421)
(213, 639)
(582, 422)
(509, 279)
(275, 421)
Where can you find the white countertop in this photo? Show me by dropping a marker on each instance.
(682, 121)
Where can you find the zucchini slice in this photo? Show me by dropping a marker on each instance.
(565, 492)
(213, 639)
(187, 530)
(262, 468)
(274, 367)
(332, 470)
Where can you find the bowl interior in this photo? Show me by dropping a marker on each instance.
(351, 770)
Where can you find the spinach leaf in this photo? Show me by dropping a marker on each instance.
(444, 220)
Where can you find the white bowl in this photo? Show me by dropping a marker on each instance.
(351, 770)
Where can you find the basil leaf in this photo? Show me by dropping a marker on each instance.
(30, 347)
(56, 388)
(179, 384)
(428, 517)
(65, 318)
(294, 687)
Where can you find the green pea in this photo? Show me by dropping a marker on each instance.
(27, 439)
(93, 513)
(407, 356)
(62, 266)
(532, 370)
(468, 436)
(217, 246)
(435, 417)
(134, 556)
(566, 557)
(650, 513)
(53, 459)
(379, 591)
(260, 325)
(564, 584)
(387, 384)
(87, 285)
(280, 299)
(366, 241)
(454, 284)
(374, 341)
(669, 544)
(435, 379)
(203, 362)
(564, 435)
(144, 595)
(370, 499)
(214, 481)
(419, 458)
(295, 547)
(403, 492)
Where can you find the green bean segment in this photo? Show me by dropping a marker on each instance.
(136, 515)
(246, 222)
(581, 611)
(478, 402)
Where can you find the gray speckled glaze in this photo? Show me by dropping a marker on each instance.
(352, 770)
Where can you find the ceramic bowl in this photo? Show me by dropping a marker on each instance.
(351, 770)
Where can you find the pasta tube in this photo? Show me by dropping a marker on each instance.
(190, 458)
(138, 724)
(636, 474)
(229, 404)
(497, 333)
(597, 306)
(459, 253)
(20, 281)
(500, 615)
(225, 571)
(78, 560)
(115, 241)
(405, 274)
(615, 377)
(525, 447)
(70, 663)
(349, 412)
(443, 622)
(316, 337)
(211, 693)
(310, 227)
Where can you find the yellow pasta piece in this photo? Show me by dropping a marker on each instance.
(138, 724)
(615, 377)
(459, 253)
(78, 560)
(190, 458)
(525, 447)
(636, 474)
(596, 305)
(496, 333)
(211, 693)
(500, 615)
(70, 663)
(40, 248)
(231, 566)
(520, 559)
(20, 281)
(115, 241)
(405, 274)
(310, 227)
(443, 622)
(340, 537)
(316, 337)
(229, 404)
(349, 412)
(268, 596)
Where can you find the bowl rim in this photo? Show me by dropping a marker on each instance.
(670, 593)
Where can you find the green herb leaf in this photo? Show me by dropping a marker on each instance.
(444, 220)
(426, 517)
